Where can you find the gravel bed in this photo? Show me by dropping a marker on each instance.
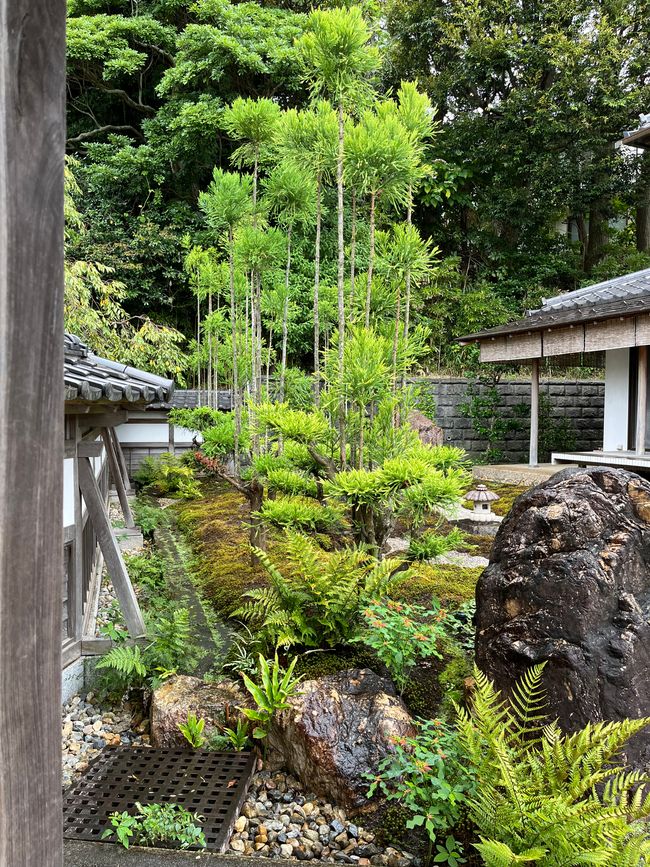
(87, 729)
(459, 558)
(280, 819)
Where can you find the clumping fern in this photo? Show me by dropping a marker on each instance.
(127, 666)
(430, 545)
(546, 798)
(316, 597)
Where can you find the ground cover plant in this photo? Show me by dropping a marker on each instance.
(157, 825)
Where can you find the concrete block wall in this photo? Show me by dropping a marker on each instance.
(579, 401)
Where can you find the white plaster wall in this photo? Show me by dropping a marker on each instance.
(183, 435)
(143, 433)
(617, 388)
(68, 492)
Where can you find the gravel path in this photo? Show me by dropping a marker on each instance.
(86, 729)
(280, 820)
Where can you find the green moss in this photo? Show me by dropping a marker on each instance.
(314, 665)
(217, 526)
(452, 585)
(453, 678)
(392, 826)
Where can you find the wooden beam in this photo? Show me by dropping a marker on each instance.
(90, 449)
(534, 413)
(116, 473)
(122, 460)
(110, 549)
(32, 140)
(107, 419)
(641, 399)
(93, 646)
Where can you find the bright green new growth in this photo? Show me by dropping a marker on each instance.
(271, 694)
(192, 730)
(546, 798)
(316, 597)
(156, 824)
(302, 513)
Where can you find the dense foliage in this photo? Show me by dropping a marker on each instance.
(381, 208)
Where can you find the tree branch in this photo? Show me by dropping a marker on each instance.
(83, 136)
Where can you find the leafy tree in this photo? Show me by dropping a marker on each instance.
(290, 193)
(338, 61)
(227, 203)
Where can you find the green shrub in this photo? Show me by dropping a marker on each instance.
(271, 693)
(167, 476)
(402, 634)
(302, 513)
(155, 825)
(426, 775)
(430, 545)
(546, 798)
(147, 517)
(317, 598)
(291, 482)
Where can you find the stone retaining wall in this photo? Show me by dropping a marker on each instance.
(580, 402)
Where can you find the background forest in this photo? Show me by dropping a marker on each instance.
(199, 138)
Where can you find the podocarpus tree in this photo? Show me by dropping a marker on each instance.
(227, 204)
(290, 194)
(339, 62)
(309, 138)
(382, 162)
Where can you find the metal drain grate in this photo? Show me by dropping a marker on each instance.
(213, 785)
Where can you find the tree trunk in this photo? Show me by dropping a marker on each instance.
(643, 206)
(209, 383)
(257, 529)
(235, 372)
(198, 341)
(398, 317)
(598, 235)
(317, 294)
(341, 280)
(371, 258)
(285, 318)
(353, 247)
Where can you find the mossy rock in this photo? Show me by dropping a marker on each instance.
(321, 664)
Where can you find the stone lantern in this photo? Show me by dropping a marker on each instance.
(482, 499)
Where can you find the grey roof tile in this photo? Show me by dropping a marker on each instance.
(621, 296)
(88, 377)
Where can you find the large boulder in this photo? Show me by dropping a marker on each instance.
(337, 730)
(428, 431)
(569, 583)
(216, 703)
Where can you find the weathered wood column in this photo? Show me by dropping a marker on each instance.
(32, 139)
(641, 399)
(118, 478)
(534, 412)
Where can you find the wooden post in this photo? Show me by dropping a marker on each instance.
(116, 472)
(110, 549)
(76, 602)
(119, 451)
(32, 139)
(641, 399)
(534, 412)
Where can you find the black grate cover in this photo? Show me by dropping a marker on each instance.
(213, 785)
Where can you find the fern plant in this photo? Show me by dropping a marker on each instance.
(302, 513)
(546, 798)
(316, 598)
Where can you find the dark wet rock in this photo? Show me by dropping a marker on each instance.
(216, 703)
(337, 730)
(569, 583)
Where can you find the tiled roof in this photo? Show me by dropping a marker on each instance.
(91, 378)
(189, 399)
(621, 296)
